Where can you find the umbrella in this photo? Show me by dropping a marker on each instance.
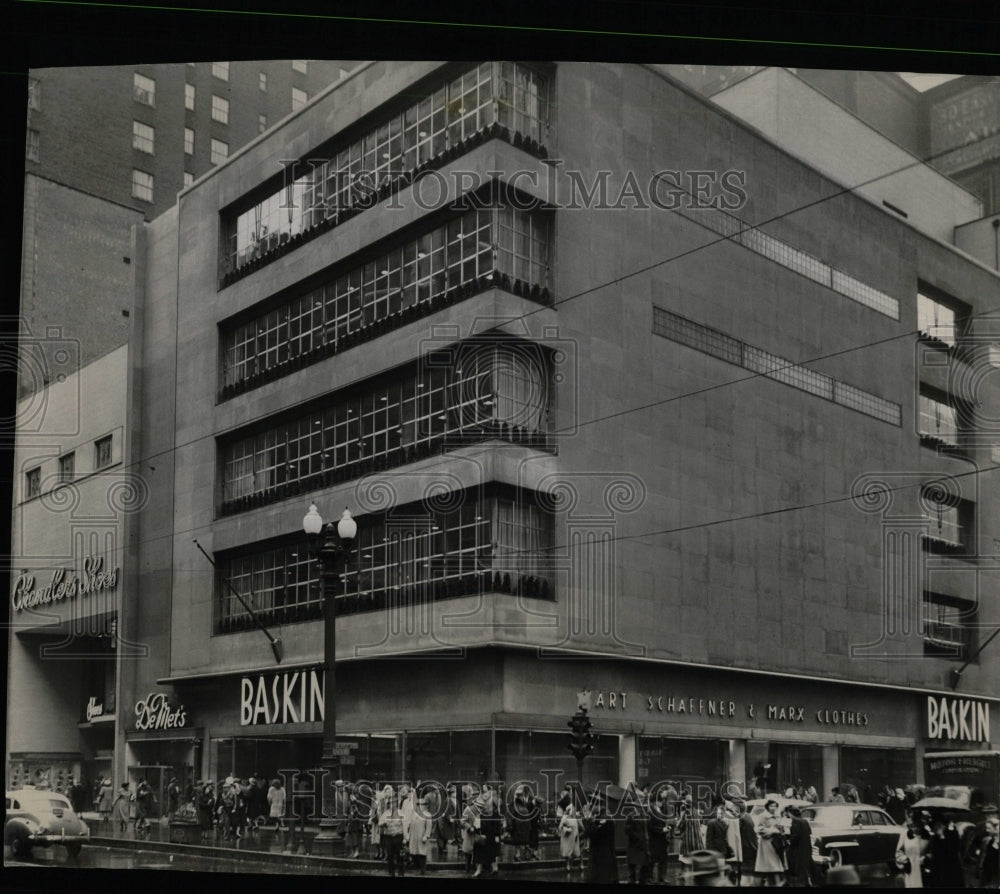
(948, 805)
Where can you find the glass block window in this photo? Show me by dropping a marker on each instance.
(67, 468)
(465, 105)
(220, 109)
(32, 483)
(189, 97)
(143, 89)
(102, 452)
(732, 350)
(480, 243)
(780, 252)
(142, 185)
(220, 70)
(142, 137)
(470, 393)
(493, 541)
(299, 98)
(220, 151)
(188, 141)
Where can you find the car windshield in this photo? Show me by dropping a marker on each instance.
(832, 817)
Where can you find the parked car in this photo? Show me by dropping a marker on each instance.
(851, 834)
(41, 818)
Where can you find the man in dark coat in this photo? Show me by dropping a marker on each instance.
(799, 852)
(637, 852)
(748, 842)
(716, 833)
(600, 831)
(943, 857)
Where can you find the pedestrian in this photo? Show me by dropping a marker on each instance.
(471, 824)
(600, 831)
(375, 830)
(391, 824)
(355, 824)
(206, 809)
(836, 797)
(253, 797)
(143, 806)
(490, 828)
(569, 838)
(748, 842)
(534, 824)
(173, 796)
(520, 825)
(985, 850)
(637, 847)
(658, 831)
(910, 851)
(734, 840)
(421, 832)
(799, 852)
(811, 795)
(689, 826)
(105, 798)
(301, 800)
(943, 856)
(276, 804)
(706, 868)
(895, 806)
(122, 806)
(444, 821)
(717, 833)
(770, 847)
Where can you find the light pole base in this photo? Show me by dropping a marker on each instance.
(327, 839)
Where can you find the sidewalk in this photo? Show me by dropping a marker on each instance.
(291, 846)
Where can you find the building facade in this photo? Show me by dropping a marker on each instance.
(631, 405)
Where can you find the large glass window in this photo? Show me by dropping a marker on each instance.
(949, 626)
(936, 319)
(775, 766)
(414, 554)
(871, 769)
(477, 244)
(494, 390)
(220, 109)
(949, 519)
(937, 419)
(142, 185)
(506, 93)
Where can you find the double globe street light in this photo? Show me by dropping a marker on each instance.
(329, 545)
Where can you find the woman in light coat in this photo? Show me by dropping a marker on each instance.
(910, 853)
(770, 855)
(569, 838)
(421, 833)
(105, 798)
(123, 806)
(276, 803)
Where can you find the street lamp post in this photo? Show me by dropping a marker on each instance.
(329, 545)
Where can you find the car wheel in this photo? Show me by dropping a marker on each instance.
(20, 847)
(836, 858)
(74, 848)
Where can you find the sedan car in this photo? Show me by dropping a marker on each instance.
(854, 834)
(41, 818)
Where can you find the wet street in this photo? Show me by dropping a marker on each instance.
(115, 858)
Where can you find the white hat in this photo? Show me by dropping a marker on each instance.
(229, 780)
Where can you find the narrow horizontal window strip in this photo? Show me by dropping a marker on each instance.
(724, 347)
(792, 258)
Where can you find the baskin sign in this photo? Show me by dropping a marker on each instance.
(94, 578)
(960, 719)
(289, 697)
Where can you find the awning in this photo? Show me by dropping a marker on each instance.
(193, 736)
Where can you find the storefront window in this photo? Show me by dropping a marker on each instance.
(688, 762)
(871, 769)
(774, 767)
(542, 759)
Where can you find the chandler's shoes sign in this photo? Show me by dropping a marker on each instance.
(60, 587)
